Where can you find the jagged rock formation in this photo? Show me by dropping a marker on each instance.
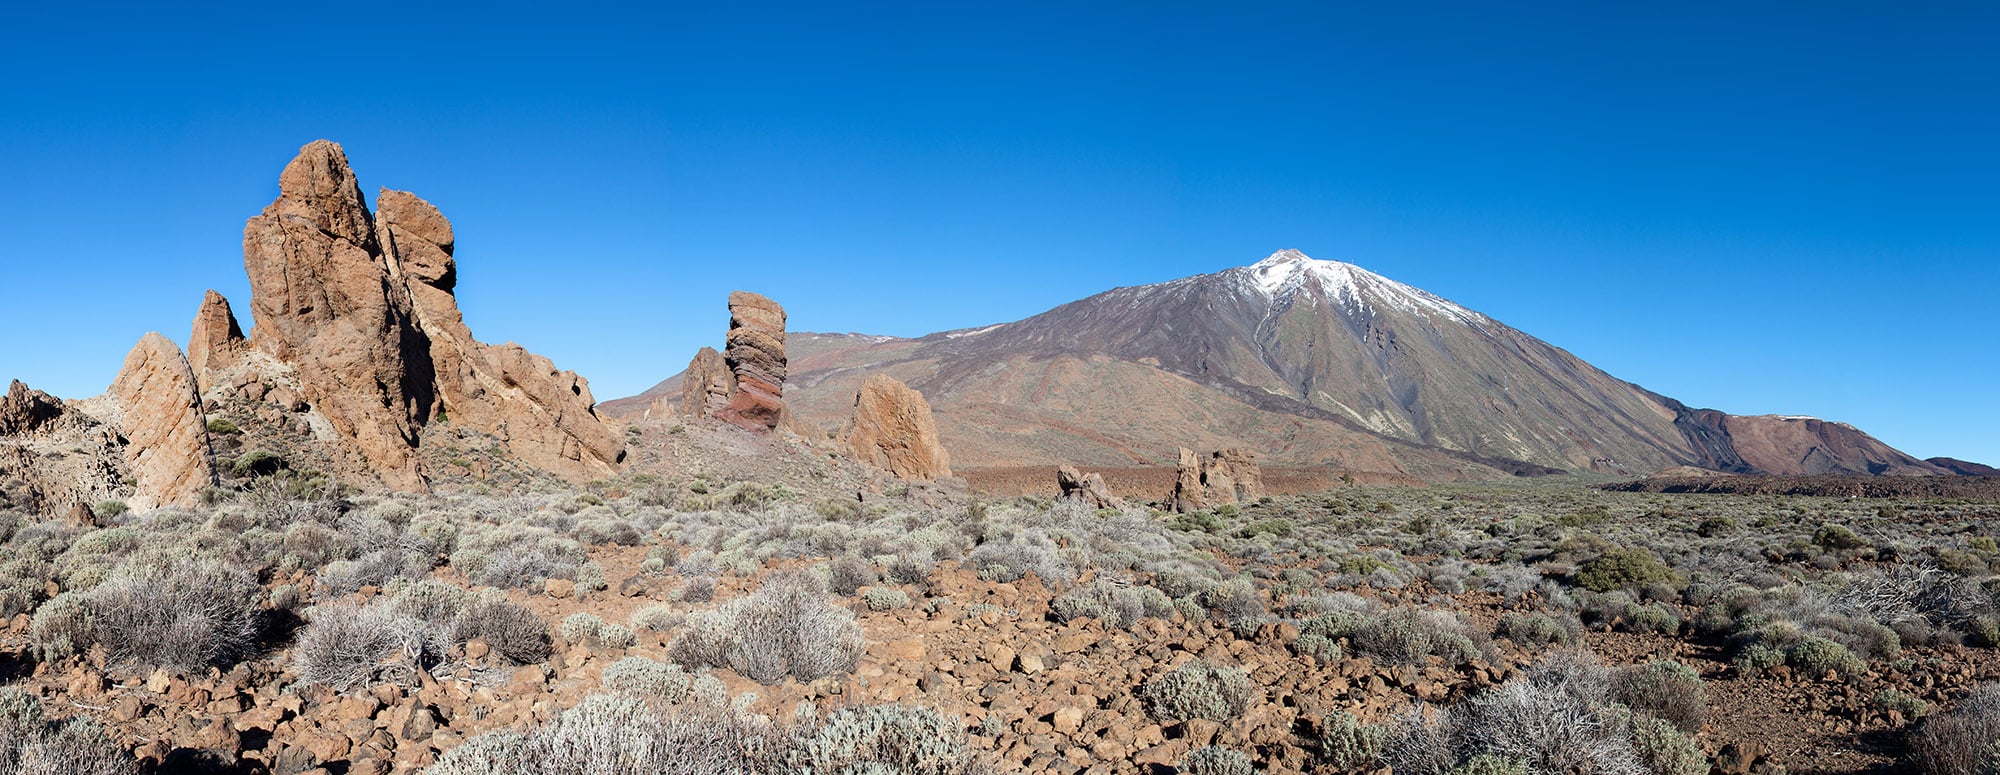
(25, 410)
(755, 352)
(1224, 476)
(893, 430)
(706, 385)
(167, 453)
(324, 301)
(544, 415)
(364, 311)
(216, 341)
(1088, 488)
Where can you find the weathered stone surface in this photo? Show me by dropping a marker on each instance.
(323, 300)
(168, 454)
(1089, 488)
(216, 340)
(706, 385)
(893, 430)
(755, 353)
(544, 415)
(1225, 476)
(362, 306)
(25, 410)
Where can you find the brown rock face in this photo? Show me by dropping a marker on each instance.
(168, 454)
(706, 385)
(755, 353)
(216, 339)
(25, 410)
(545, 416)
(1089, 488)
(1225, 476)
(363, 306)
(324, 301)
(893, 430)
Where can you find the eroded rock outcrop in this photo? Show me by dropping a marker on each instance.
(544, 415)
(25, 410)
(706, 385)
(1088, 488)
(755, 353)
(324, 301)
(216, 341)
(1224, 476)
(892, 429)
(167, 454)
(363, 306)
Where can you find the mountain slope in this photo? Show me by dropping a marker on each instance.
(1311, 363)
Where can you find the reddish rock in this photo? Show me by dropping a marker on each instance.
(706, 385)
(1088, 488)
(1224, 476)
(755, 353)
(324, 302)
(217, 339)
(25, 410)
(168, 453)
(893, 430)
(544, 416)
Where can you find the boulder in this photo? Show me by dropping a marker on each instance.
(755, 353)
(893, 430)
(217, 339)
(167, 453)
(1224, 476)
(1088, 488)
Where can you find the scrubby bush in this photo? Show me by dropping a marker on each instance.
(847, 574)
(649, 678)
(1238, 603)
(1965, 741)
(590, 628)
(1664, 689)
(155, 611)
(1216, 760)
(1347, 743)
(786, 628)
(512, 630)
(33, 744)
(885, 599)
(1409, 635)
(1558, 717)
(1115, 604)
(346, 647)
(1624, 568)
(882, 738)
(1537, 630)
(1199, 689)
(1818, 656)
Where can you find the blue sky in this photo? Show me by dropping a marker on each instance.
(1786, 208)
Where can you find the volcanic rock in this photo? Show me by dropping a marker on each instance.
(168, 454)
(1088, 488)
(893, 430)
(544, 416)
(1224, 476)
(706, 385)
(324, 301)
(755, 353)
(216, 340)
(25, 410)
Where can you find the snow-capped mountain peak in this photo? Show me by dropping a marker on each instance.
(1281, 275)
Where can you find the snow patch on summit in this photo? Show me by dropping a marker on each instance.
(1281, 275)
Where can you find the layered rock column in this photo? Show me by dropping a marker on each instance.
(755, 354)
(893, 430)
